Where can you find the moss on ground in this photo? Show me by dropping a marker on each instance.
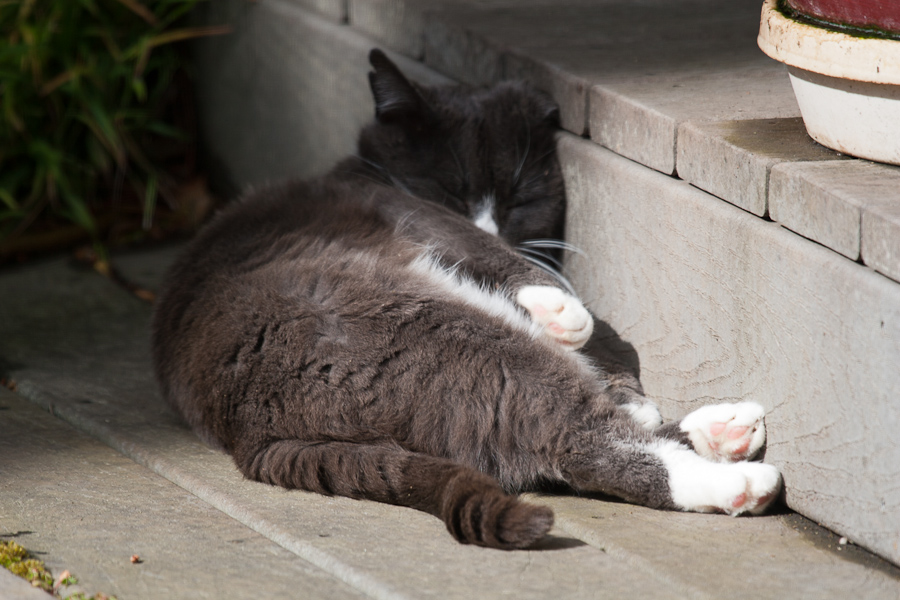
(18, 561)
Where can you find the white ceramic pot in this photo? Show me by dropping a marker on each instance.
(848, 88)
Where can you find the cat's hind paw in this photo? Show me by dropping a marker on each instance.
(748, 487)
(763, 485)
(726, 432)
(699, 485)
(564, 318)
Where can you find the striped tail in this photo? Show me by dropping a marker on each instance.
(472, 505)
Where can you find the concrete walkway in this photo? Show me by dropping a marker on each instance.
(94, 469)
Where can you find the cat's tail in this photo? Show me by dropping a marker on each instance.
(472, 505)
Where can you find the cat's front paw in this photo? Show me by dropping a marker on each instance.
(564, 318)
(726, 432)
(646, 414)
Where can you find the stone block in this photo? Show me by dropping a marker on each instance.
(631, 129)
(397, 24)
(639, 118)
(401, 24)
(803, 200)
(732, 159)
(853, 207)
(454, 49)
(723, 306)
(483, 42)
(881, 236)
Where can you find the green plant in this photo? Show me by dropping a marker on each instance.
(84, 86)
(19, 562)
(15, 558)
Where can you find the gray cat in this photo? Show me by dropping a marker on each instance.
(376, 334)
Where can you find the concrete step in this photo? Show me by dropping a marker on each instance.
(722, 306)
(719, 303)
(16, 588)
(77, 347)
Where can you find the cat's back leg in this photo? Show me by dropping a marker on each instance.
(663, 473)
(700, 485)
(472, 505)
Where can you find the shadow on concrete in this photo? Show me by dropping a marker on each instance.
(554, 542)
(612, 353)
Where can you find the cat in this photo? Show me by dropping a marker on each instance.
(375, 333)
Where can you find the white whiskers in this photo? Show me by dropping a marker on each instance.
(531, 250)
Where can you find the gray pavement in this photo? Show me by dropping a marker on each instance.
(94, 468)
(16, 588)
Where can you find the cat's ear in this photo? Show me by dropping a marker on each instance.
(396, 99)
(551, 114)
(549, 110)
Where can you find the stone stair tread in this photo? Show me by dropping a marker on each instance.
(852, 207)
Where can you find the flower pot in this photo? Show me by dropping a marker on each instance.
(847, 87)
(878, 18)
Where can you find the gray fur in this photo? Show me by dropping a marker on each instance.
(294, 335)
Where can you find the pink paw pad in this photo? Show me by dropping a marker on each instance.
(726, 432)
(563, 317)
(762, 487)
(763, 502)
(736, 432)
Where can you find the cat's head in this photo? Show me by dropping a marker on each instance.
(489, 154)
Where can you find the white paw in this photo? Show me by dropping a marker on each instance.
(563, 317)
(726, 432)
(699, 485)
(740, 488)
(763, 485)
(646, 414)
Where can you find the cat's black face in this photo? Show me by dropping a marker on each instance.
(487, 154)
